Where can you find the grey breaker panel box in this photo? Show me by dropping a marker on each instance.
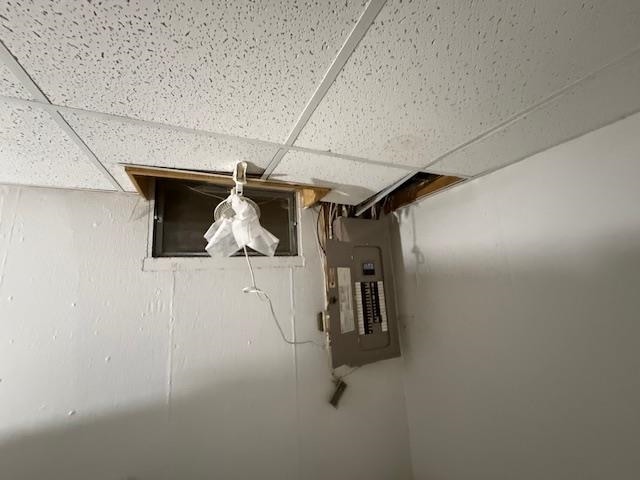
(362, 312)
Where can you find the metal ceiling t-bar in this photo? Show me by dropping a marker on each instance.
(32, 88)
(359, 31)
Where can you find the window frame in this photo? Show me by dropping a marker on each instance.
(156, 227)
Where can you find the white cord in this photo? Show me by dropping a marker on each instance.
(264, 296)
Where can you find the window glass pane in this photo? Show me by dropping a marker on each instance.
(184, 211)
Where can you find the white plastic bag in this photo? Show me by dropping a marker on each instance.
(222, 243)
(248, 231)
(228, 235)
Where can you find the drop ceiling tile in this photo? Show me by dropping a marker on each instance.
(34, 151)
(352, 182)
(115, 142)
(242, 67)
(9, 84)
(429, 76)
(591, 104)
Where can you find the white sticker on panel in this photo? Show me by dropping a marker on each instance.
(345, 296)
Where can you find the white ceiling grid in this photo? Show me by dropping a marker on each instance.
(34, 151)
(352, 182)
(117, 142)
(459, 87)
(10, 86)
(241, 67)
(430, 75)
(597, 101)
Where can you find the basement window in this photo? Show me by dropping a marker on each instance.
(184, 212)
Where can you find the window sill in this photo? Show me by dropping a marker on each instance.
(151, 264)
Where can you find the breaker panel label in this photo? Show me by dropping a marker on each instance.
(345, 297)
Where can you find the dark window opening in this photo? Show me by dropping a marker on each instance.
(184, 212)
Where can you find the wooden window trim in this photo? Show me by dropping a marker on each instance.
(142, 179)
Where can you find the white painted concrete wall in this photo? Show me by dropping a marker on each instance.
(521, 304)
(111, 372)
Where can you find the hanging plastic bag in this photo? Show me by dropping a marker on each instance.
(229, 234)
(222, 243)
(248, 231)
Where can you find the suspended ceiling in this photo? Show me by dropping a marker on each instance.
(353, 95)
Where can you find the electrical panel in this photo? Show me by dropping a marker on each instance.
(361, 315)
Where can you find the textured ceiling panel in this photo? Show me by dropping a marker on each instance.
(9, 85)
(116, 142)
(602, 99)
(429, 76)
(34, 151)
(242, 67)
(352, 182)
